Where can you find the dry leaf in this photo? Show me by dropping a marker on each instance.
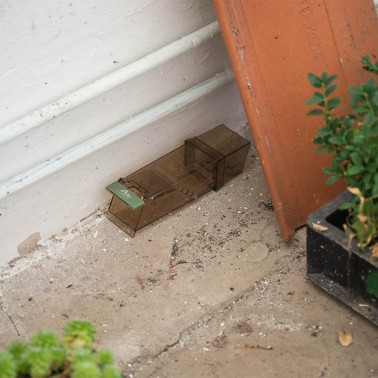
(319, 227)
(355, 191)
(345, 338)
(258, 346)
(374, 251)
(362, 218)
(220, 341)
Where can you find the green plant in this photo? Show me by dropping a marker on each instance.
(351, 135)
(47, 355)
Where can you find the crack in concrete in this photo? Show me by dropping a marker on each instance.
(10, 318)
(135, 365)
(139, 361)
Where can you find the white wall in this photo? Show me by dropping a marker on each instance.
(51, 49)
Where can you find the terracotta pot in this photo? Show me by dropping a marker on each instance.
(272, 46)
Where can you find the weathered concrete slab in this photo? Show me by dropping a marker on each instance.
(185, 296)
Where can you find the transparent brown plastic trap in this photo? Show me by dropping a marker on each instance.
(202, 164)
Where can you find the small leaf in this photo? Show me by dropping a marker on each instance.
(329, 79)
(356, 158)
(336, 140)
(361, 109)
(323, 132)
(369, 118)
(370, 83)
(314, 80)
(330, 90)
(346, 205)
(321, 148)
(368, 65)
(375, 98)
(319, 227)
(371, 167)
(316, 112)
(333, 102)
(327, 171)
(315, 99)
(331, 180)
(318, 140)
(354, 170)
(375, 187)
(355, 91)
(345, 338)
(372, 282)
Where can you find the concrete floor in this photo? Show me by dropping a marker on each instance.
(189, 296)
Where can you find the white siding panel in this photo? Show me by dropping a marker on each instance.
(52, 49)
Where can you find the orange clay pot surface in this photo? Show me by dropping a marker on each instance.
(272, 45)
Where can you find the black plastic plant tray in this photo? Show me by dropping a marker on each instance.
(343, 271)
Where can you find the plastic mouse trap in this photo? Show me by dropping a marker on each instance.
(202, 164)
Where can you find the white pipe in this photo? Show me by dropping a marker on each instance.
(106, 83)
(116, 133)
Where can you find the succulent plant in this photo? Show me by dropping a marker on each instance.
(47, 355)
